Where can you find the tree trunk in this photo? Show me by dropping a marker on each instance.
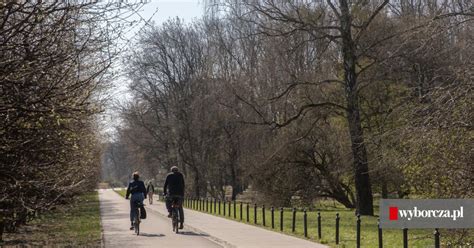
(197, 181)
(236, 185)
(364, 199)
(384, 190)
(2, 224)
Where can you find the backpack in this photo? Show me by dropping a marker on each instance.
(142, 212)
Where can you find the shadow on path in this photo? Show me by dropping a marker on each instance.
(152, 235)
(189, 233)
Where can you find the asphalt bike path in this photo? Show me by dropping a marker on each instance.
(155, 230)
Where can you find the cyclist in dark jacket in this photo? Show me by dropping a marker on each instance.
(174, 188)
(137, 189)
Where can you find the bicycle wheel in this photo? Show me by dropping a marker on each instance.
(137, 222)
(174, 220)
(177, 220)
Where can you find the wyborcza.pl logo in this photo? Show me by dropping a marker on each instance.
(446, 213)
(409, 214)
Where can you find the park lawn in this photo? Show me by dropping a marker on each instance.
(347, 238)
(77, 225)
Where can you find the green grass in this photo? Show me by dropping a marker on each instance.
(72, 226)
(347, 238)
(121, 192)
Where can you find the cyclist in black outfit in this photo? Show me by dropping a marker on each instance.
(138, 191)
(174, 188)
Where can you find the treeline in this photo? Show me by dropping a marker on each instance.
(54, 61)
(337, 99)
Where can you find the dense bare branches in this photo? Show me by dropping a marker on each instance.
(54, 59)
(335, 93)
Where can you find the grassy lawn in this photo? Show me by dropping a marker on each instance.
(72, 226)
(347, 238)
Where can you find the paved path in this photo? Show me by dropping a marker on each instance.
(155, 231)
(203, 230)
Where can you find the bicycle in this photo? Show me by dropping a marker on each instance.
(136, 219)
(175, 217)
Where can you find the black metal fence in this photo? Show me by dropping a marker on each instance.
(213, 206)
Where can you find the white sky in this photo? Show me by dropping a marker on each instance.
(185, 9)
(161, 10)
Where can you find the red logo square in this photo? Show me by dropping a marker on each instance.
(393, 213)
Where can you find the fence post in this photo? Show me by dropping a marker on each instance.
(224, 207)
(436, 237)
(263, 215)
(215, 205)
(230, 205)
(235, 210)
(337, 228)
(255, 213)
(219, 206)
(305, 223)
(380, 233)
(248, 217)
(319, 225)
(358, 231)
(281, 219)
(273, 217)
(207, 204)
(241, 206)
(405, 237)
(293, 224)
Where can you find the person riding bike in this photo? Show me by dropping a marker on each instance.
(137, 189)
(174, 188)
